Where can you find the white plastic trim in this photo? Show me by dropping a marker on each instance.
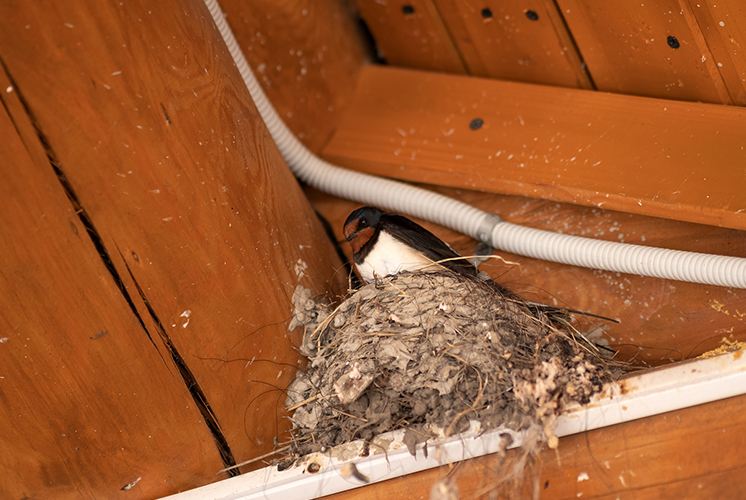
(652, 393)
(489, 228)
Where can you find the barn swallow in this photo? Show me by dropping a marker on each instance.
(384, 244)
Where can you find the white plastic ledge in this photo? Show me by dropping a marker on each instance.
(651, 393)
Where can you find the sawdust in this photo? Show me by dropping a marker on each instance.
(429, 352)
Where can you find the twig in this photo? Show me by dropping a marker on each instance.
(349, 415)
(256, 459)
(473, 407)
(467, 257)
(304, 402)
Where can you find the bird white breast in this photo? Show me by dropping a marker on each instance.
(391, 256)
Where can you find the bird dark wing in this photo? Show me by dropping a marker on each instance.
(416, 236)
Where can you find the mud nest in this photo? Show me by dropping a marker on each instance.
(429, 352)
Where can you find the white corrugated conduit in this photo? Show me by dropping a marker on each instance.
(489, 228)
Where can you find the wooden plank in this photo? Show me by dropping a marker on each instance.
(660, 321)
(88, 404)
(654, 157)
(411, 34)
(306, 54)
(628, 49)
(690, 453)
(514, 40)
(153, 128)
(723, 25)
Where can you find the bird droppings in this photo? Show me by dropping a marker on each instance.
(349, 471)
(131, 484)
(186, 314)
(429, 352)
(300, 268)
(445, 489)
(726, 346)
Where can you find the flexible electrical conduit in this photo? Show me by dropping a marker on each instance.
(484, 226)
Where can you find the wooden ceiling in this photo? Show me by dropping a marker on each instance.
(675, 49)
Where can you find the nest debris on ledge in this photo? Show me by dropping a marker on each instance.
(430, 351)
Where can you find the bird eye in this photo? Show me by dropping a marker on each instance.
(363, 222)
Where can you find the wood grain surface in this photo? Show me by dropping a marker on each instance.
(660, 320)
(514, 40)
(723, 26)
(195, 216)
(411, 34)
(88, 403)
(627, 49)
(692, 453)
(306, 54)
(663, 158)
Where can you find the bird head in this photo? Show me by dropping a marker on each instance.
(362, 225)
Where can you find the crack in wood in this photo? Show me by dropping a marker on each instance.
(165, 115)
(72, 196)
(188, 378)
(191, 382)
(583, 66)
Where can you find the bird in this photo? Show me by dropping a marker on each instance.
(385, 244)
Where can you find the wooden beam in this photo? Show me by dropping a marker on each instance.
(306, 54)
(671, 159)
(88, 403)
(149, 122)
(694, 453)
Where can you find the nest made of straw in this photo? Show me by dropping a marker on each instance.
(435, 350)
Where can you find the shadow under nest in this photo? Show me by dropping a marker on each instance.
(431, 351)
